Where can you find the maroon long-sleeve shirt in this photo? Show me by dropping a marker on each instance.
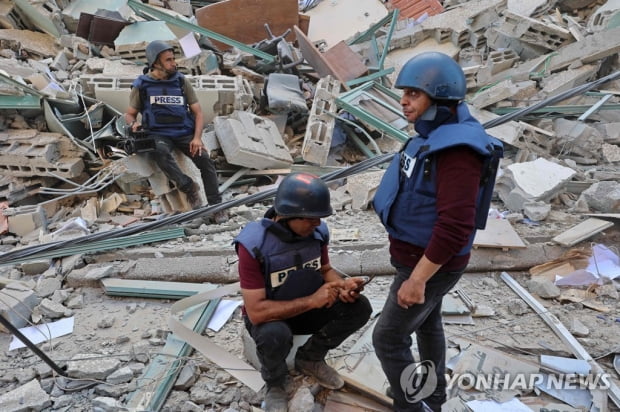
(458, 179)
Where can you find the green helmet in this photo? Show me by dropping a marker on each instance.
(153, 50)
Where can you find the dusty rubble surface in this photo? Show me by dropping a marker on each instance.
(560, 166)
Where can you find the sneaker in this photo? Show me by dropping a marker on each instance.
(325, 375)
(193, 196)
(276, 399)
(220, 217)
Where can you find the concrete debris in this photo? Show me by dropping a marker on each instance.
(285, 86)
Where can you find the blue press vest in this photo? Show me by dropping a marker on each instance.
(291, 268)
(164, 106)
(407, 206)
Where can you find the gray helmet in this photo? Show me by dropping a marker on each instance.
(303, 195)
(153, 50)
(436, 74)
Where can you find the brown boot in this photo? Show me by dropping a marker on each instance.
(193, 196)
(325, 375)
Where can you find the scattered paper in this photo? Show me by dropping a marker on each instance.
(189, 45)
(223, 312)
(513, 405)
(604, 262)
(41, 333)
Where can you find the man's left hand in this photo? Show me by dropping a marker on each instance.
(411, 292)
(196, 147)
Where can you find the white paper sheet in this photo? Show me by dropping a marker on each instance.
(223, 312)
(189, 45)
(513, 405)
(604, 262)
(41, 333)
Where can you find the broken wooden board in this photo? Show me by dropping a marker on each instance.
(244, 20)
(361, 368)
(498, 233)
(341, 63)
(338, 401)
(582, 231)
(584, 297)
(575, 258)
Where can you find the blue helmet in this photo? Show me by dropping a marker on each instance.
(303, 195)
(436, 74)
(154, 49)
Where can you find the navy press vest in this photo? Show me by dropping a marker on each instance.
(291, 265)
(164, 106)
(406, 198)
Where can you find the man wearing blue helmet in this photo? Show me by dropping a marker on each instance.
(289, 287)
(433, 197)
(172, 117)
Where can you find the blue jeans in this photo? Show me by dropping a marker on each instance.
(392, 336)
(329, 328)
(163, 157)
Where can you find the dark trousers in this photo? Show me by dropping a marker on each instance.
(163, 157)
(329, 328)
(392, 339)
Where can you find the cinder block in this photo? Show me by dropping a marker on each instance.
(532, 31)
(24, 223)
(320, 127)
(16, 304)
(251, 141)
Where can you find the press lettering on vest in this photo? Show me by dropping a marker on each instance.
(175, 100)
(406, 164)
(279, 277)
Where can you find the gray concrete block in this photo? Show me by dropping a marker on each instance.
(251, 141)
(23, 223)
(17, 304)
(320, 127)
(535, 32)
(540, 179)
(28, 397)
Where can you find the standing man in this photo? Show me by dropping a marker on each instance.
(432, 198)
(289, 287)
(172, 117)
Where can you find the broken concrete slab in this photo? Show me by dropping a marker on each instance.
(251, 141)
(17, 304)
(540, 179)
(603, 196)
(28, 397)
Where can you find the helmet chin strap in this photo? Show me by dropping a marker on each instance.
(430, 113)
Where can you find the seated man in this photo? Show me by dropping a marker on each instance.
(289, 287)
(172, 117)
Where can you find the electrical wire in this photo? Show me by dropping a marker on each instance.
(7, 258)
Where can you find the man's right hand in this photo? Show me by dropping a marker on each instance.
(327, 294)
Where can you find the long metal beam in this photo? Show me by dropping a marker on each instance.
(158, 14)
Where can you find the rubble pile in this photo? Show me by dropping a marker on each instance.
(280, 93)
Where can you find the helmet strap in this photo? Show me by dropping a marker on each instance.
(430, 113)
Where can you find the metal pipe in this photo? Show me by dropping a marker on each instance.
(5, 322)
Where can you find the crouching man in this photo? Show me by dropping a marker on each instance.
(290, 288)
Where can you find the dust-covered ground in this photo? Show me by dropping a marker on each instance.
(133, 330)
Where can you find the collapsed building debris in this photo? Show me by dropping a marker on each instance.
(283, 89)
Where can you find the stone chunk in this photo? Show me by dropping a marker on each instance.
(91, 366)
(540, 179)
(603, 196)
(251, 141)
(22, 301)
(543, 288)
(362, 188)
(28, 397)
